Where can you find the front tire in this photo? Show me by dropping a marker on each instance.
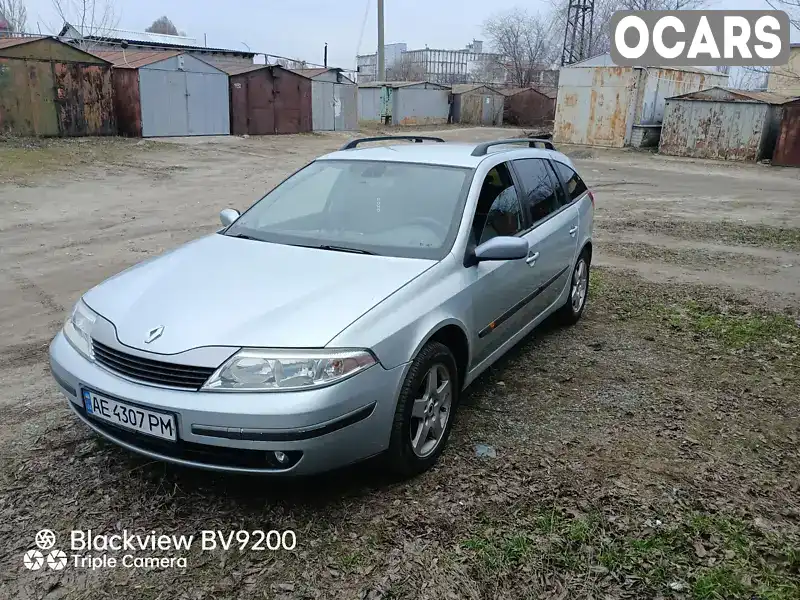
(425, 410)
(571, 312)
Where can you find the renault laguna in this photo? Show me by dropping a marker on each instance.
(341, 316)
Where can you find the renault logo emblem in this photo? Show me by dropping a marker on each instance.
(154, 334)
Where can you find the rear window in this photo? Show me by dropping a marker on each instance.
(575, 186)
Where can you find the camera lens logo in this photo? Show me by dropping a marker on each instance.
(34, 559)
(57, 560)
(45, 539)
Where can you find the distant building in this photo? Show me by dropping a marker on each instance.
(367, 64)
(468, 65)
(786, 79)
(114, 39)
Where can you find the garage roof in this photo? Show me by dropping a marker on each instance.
(133, 59)
(18, 41)
(725, 94)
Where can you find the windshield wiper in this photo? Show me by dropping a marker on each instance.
(244, 236)
(345, 249)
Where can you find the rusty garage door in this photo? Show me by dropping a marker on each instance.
(84, 101)
(26, 98)
(787, 150)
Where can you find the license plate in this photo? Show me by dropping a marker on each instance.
(153, 423)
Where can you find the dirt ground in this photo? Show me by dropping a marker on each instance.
(651, 451)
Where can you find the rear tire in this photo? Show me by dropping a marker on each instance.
(571, 312)
(425, 411)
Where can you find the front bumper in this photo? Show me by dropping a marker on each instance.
(326, 428)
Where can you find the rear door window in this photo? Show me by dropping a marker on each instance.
(541, 197)
(498, 211)
(572, 181)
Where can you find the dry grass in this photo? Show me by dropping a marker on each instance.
(649, 451)
(26, 160)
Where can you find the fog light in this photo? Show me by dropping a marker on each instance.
(281, 457)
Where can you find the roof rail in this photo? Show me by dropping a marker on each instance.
(415, 138)
(483, 149)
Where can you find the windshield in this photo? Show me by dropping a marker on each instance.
(386, 208)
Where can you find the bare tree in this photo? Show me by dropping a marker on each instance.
(288, 63)
(91, 18)
(786, 78)
(405, 70)
(490, 70)
(14, 15)
(163, 25)
(747, 78)
(526, 42)
(791, 7)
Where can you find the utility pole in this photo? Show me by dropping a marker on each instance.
(381, 57)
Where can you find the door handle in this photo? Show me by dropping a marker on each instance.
(531, 260)
(573, 231)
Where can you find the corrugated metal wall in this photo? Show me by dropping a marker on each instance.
(334, 105)
(293, 110)
(415, 105)
(594, 106)
(270, 101)
(183, 96)
(369, 104)
(656, 85)
(722, 130)
(599, 105)
(478, 107)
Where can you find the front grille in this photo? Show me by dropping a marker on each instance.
(151, 371)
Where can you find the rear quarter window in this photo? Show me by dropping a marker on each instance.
(573, 182)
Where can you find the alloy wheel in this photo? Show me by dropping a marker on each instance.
(580, 283)
(431, 411)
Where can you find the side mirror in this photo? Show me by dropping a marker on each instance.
(502, 248)
(228, 216)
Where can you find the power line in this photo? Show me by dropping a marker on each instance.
(363, 27)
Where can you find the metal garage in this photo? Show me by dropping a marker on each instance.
(334, 99)
(404, 102)
(161, 93)
(787, 149)
(267, 99)
(49, 88)
(529, 107)
(477, 104)
(722, 123)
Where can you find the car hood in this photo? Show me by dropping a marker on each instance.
(225, 291)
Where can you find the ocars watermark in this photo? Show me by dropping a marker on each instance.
(700, 38)
(150, 550)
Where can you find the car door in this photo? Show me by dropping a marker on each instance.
(552, 236)
(497, 287)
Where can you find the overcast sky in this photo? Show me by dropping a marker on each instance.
(300, 28)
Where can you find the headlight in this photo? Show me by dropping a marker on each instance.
(287, 370)
(78, 329)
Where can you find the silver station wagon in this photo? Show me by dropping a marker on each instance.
(341, 316)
